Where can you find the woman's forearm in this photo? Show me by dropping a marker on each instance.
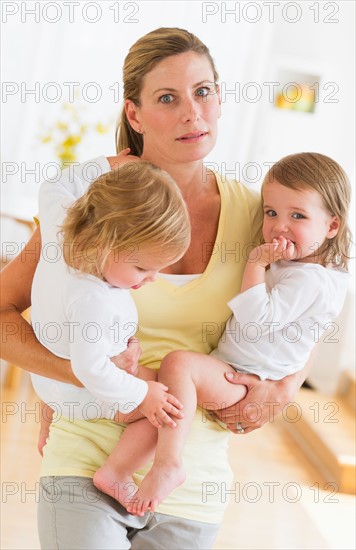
(19, 344)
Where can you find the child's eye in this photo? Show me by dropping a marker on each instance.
(298, 216)
(166, 98)
(270, 213)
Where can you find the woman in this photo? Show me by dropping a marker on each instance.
(170, 117)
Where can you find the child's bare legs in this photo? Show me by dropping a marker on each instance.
(134, 450)
(195, 379)
(46, 419)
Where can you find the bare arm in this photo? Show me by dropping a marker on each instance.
(19, 344)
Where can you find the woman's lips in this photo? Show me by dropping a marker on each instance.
(193, 137)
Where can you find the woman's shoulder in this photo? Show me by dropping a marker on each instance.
(235, 190)
(241, 209)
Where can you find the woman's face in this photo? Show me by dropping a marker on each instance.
(179, 109)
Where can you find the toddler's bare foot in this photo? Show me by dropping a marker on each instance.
(160, 481)
(118, 485)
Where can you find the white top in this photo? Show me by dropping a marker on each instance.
(275, 325)
(78, 316)
(179, 280)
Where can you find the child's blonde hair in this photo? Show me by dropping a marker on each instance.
(324, 175)
(137, 205)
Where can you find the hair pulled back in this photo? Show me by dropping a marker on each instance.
(143, 56)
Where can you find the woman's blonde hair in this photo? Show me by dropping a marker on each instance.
(324, 175)
(136, 206)
(143, 56)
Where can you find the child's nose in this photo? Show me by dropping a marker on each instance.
(281, 226)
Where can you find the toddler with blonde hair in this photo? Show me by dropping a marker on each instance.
(293, 287)
(101, 237)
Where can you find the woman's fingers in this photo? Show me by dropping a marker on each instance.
(121, 158)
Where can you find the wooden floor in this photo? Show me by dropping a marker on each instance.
(280, 500)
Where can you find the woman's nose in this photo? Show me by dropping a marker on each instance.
(190, 110)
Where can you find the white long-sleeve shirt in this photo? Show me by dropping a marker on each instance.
(275, 325)
(80, 317)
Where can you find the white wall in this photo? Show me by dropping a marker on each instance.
(245, 52)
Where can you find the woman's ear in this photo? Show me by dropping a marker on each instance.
(132, 114)
(334, 227)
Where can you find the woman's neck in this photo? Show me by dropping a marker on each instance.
(192, 178)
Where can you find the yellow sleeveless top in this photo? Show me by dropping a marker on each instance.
(190, 317)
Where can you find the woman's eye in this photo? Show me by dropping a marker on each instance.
(270, 213)
(298, 216)
(205, 91)
(166, 98)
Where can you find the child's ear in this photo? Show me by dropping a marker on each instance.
(334, 227)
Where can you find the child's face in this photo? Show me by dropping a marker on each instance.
(297, 215)
(133, 267)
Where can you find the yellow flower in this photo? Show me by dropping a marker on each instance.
(71, 141)
(62, 126)
(101, 129)
(66, 133)
(66, 155)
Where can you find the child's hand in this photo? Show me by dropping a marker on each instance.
(158, 403)
(284, 249)
(278, 249)
(122, 158)
(128, 360)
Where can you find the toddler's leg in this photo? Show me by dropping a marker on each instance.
(194, 379)
(134, 450)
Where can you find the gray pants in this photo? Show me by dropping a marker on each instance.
(74, 515)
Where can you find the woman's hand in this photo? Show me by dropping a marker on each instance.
(122, 158)
(46, 420)
(128, 360)
(264, 400)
